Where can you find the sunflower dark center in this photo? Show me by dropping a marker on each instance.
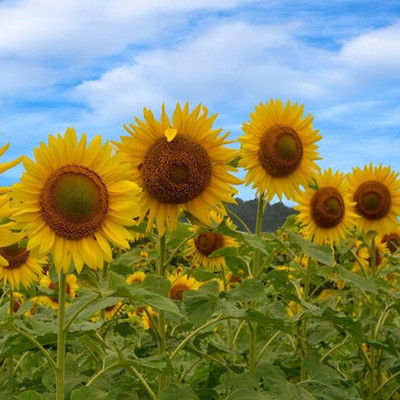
(373, 200)
(176, 172)
(327, 207)
(177, 291)
(281, 151)
(74, 202)
(392, 241)
(15, 255)
(208, 242)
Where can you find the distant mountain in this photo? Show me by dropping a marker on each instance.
(274, 217)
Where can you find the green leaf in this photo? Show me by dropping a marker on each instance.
(157, 284)
(90, 393)
(358, 281)
(246, 395)
(322, 254)
(30, 395)
(181, 392)
(248, 290)
(200, 305)
(284, 325)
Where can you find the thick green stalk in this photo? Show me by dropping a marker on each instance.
(372, 377)
(303, 327)
(61, 336)
(162, 377)
(229, 324)
(255, 272)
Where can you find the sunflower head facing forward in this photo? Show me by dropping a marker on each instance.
(325, 208)
(180, 164)
(75, 200)
(278, 149)
(376, 193)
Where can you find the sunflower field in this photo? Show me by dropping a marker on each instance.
(125, 275)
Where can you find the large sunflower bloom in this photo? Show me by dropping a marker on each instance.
(326, 210)
(75, 200)
(376, 192)
(278, 149)
(19, 266)
(181, 165)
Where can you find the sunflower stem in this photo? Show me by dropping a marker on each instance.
(256, 266)
(162, 377)
(303, 327)
(61, 336)
(229, 324)
(372, 377)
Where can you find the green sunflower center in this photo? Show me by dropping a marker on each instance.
(327, 207)
(208, 242)
(74, 202)
(281, 151)
(15, 255)
(373, 200)
(176, 172)
(76, 197)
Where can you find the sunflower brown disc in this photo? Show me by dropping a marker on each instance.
(327, 207)
(74, 202)
(392, 241)
(373, 200)
(177, 291)
(208, 242)
(281, 151)
(16, 256)
(176, 172)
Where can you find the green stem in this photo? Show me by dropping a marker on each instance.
(194, 333)
(229, 324)
(303, 331)
(61, 337)
(372, 377)
(176, 250)
(77, 312)
(256, 266)
(38, 345)
(143, 382)
(235, 216)
(162, 345)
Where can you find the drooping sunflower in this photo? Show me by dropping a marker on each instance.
(181, 165)
(376, 193)
(75, 200)
(19, 266)
(181, 283)
(278, 149)
(325, 210)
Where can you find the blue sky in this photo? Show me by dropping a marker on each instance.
(94, 64)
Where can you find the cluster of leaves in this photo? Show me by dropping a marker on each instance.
(305, 324)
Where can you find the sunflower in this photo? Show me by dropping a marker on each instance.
(136, 277)
(202, 246)
(52, 301)
(17, 302)
(181, 283)
(376, 193)
(181, 165)
(391, 240)
(278, 149)
(19, 266)
(75, 200)
(325, 210)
